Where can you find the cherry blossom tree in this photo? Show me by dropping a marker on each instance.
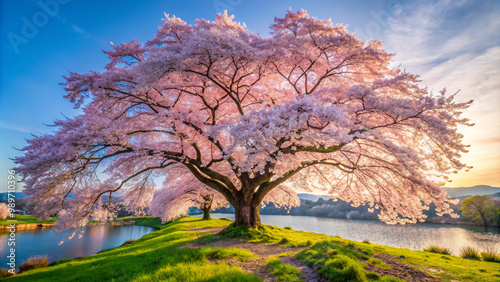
(311, 108)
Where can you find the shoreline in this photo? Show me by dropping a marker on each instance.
(437, 222)
(124, 221)
(30, 226)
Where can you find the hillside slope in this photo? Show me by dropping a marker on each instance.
(190, 250)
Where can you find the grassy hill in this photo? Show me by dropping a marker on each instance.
(191, 249)
(25, 219)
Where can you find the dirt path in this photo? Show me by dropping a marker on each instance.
(308, 274)
(401, 270)
(262, 252)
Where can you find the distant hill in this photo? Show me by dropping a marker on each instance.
(496, 195)
(459, 192)
(472, 191)
(312, 197)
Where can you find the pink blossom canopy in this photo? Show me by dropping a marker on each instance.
(311, 108)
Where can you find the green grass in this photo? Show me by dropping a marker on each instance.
(26, 219)
(283, 272)
(144, 221)
(223, 253)
(198, 272)
(437, 250)
(470, 253)
(269, 234)
(490, 255)
(444, 267)
(341, 261)
(157, 257)
(154, 257)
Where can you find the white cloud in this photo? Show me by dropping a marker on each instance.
(476, 75)
(24, 129)
(424, 35)
(78, 29)
(14, 127)
(456, 44)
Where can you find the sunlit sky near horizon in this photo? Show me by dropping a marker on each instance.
(452, 44)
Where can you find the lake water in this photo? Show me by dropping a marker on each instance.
(42, 241)
(411, 236)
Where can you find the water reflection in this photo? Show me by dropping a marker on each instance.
(414, 237)
(44, 242)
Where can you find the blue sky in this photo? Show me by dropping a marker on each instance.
(453, 44)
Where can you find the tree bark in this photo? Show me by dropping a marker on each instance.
(206, 213)
(246, 214)
(485, 222)
(207, 206)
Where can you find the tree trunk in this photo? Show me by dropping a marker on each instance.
(206, 206)
(485, 222)
(206, 213)
(246, 214)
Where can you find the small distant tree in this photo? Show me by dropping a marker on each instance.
(479, 209)
(206, 206)
(4, 211)
(181, 192)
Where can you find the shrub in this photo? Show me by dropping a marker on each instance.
(4, 272)
(372, 275)
(343, 268)
(288, 228)
(490, 255)
(366, 242)
(4, 211)
(437, 249)
(283, 241)
(34, 263)
(469, 253)
(283, 272)
(57, 262)
(128, 242)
